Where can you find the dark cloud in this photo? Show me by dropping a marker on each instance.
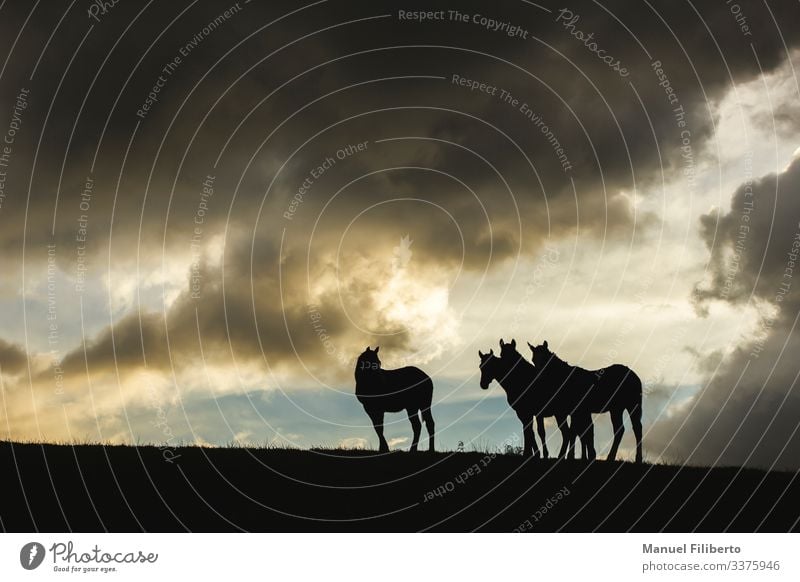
(12, 358)
(233, 322)
(750, 245)
(384, 79)
(747, 411)
(592, 112)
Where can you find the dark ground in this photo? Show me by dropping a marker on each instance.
(55, 488)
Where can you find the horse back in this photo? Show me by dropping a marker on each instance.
(615, 386)
(409, 375)
(396, 390)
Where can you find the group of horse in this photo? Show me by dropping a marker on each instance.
(543, 387)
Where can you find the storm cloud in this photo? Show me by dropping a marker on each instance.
(747, 412)
(267, 189)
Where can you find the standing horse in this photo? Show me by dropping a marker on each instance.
(381, 391)
(548, 401)
(613, 389)
(517, 378)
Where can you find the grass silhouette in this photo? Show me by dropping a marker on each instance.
(101, 487)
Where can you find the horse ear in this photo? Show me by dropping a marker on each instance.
(367, 350)
(530, 346)
(513, 343)
(491, 352)
(545, 344)
(502, 343)
(480, 355)
(377, 348)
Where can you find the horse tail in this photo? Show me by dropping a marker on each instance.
(427, 416)
(427, 393)
(636, 381)
(633, 398)
(635, 412)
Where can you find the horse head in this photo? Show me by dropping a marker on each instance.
(488, 368)
(508, 351)
(541, 354)
(369, 360)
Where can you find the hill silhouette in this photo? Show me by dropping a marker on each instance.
(95, 488)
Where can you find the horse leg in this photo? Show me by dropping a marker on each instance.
(542, 435)
(528, 438)
(564, 428)
(619, 430)
(580, 432)
(429, 426)
(416, 426)
(583, 427)
(591, 454)
(377, 422)
(573, 433)
(636, 421)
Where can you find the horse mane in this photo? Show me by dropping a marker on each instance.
(519, 357)
(557, 369)
(559, 362)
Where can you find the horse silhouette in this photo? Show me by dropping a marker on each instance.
(561, 401)
(613, 389)
(527, 398)
(381, 391)
(553, 400)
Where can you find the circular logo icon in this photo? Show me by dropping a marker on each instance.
(31, 555)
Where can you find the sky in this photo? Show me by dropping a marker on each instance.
(209, 209)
